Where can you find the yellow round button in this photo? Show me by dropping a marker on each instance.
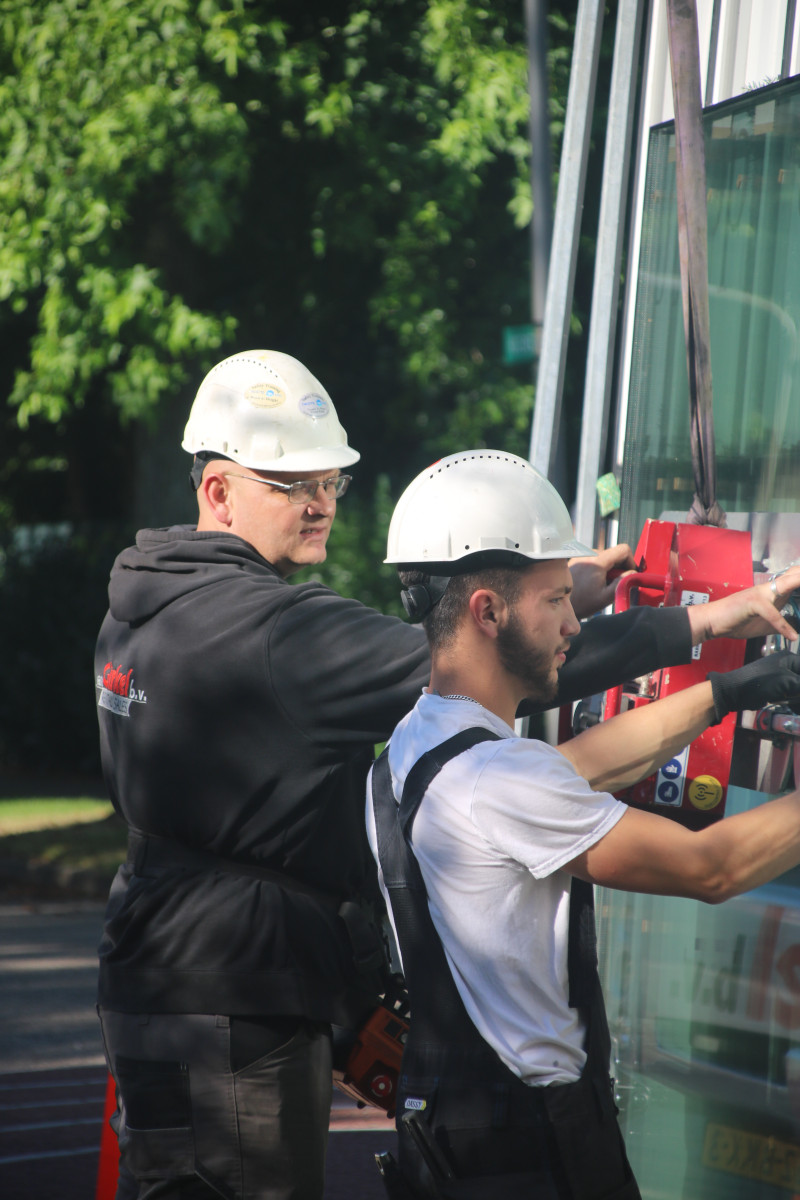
(705, 792)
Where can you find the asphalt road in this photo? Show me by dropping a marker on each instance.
(53, 1076)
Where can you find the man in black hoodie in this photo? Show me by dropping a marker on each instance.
(238, 716)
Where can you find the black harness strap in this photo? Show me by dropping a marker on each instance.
(581, 945)
(439, 1014)
(403, 878)
(690, 181)
(425, 770)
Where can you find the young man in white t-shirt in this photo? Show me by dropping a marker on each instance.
(503, 827)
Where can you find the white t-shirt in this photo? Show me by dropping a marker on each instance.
(491, 836)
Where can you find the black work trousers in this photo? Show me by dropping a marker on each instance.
(217, 1106)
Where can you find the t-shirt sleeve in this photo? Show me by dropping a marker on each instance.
(530, 804)
(342, 672)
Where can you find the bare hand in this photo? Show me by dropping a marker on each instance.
(753, 612)
(594, 580)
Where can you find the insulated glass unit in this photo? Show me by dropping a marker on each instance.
(704, 1002)
(753, 188)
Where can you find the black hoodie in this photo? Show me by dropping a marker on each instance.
(238, 715)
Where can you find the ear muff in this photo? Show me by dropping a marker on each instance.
(420, 598)
(416, 601)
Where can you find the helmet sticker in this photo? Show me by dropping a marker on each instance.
(314, 406)
(265, 395)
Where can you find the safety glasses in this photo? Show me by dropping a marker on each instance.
(303, 491)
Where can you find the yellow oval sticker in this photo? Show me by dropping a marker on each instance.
(264, 395)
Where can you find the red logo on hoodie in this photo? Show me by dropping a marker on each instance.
(117, 680)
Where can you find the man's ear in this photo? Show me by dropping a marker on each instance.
(488, 611)
(215, 496)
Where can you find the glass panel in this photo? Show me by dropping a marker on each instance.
(753, 176)
(704, 1008)
(704, 1002)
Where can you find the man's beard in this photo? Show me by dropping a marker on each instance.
(523, 660)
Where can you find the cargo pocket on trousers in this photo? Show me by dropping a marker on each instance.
(155, 1133)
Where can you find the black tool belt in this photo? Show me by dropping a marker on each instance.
(467, 1125)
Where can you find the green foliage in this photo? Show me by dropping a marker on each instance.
(349, 183)
(102, 105)
(356, 549)
(433, 158)
(20, 815)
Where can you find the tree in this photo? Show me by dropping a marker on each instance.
(106, 122)
(345, 180)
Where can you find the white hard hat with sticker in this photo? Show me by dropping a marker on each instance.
(266, 411)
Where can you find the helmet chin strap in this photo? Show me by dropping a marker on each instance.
(420, 598)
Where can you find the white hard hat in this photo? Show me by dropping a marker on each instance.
(265, 410)
(478, 507)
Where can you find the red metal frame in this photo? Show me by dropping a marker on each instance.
(686, 564)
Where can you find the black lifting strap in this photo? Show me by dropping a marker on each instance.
(427, 972)
(690, 179)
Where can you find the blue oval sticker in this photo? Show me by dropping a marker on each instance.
(314, 406)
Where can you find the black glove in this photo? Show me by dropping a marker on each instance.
(771, 680)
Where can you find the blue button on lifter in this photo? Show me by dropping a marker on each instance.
(668, 792)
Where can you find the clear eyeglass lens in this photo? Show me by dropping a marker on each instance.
(304, 491)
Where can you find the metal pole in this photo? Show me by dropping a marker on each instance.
(608, 257)
(541, 161)
(713, 48)
(566, 231)
(788, 38)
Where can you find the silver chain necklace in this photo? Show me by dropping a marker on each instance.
(455, 696)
